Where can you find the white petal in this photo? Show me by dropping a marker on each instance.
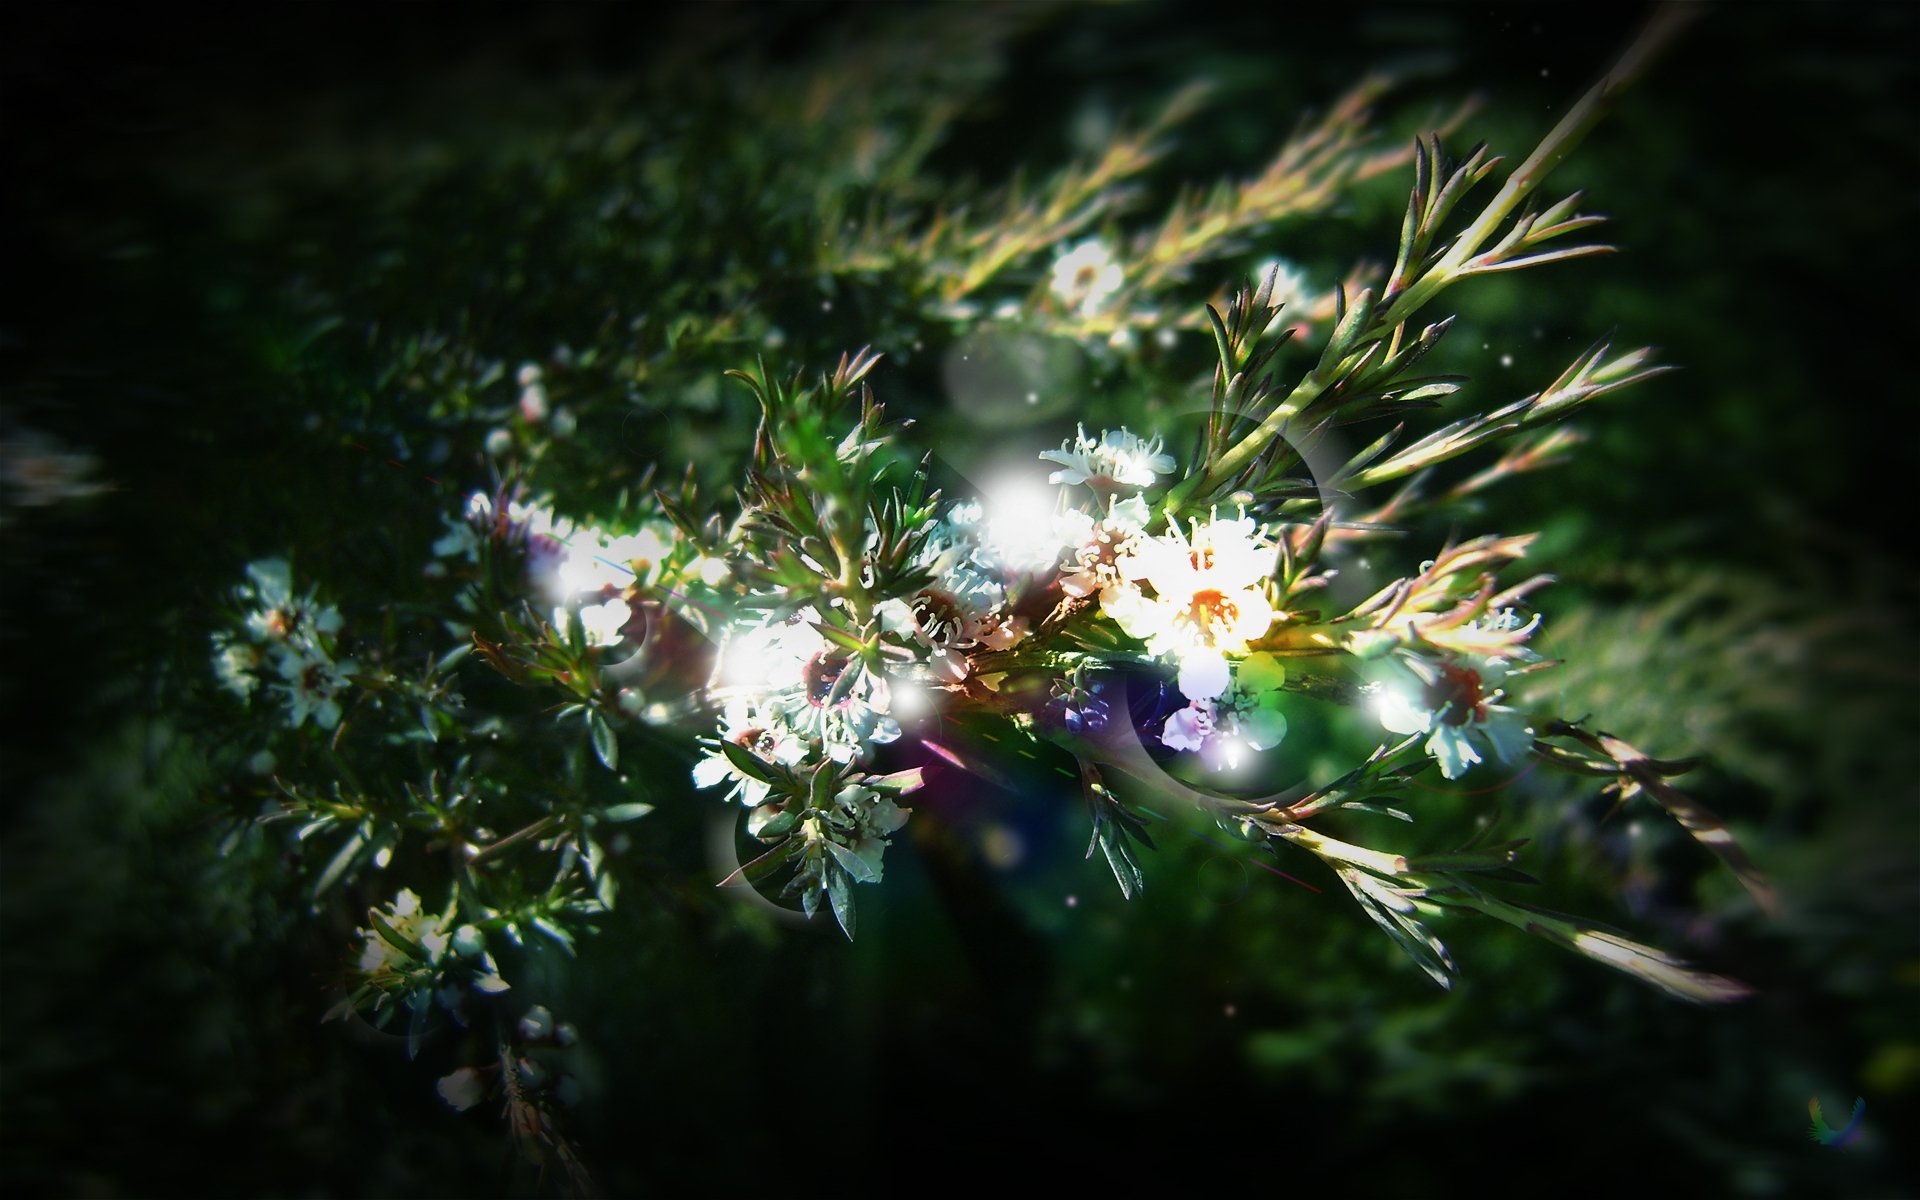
(710, 771)
(1203, 675)
(1451, 749)
(1399, 714)
(1187, 729)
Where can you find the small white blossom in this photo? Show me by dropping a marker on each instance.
(1117, 460)
(1086, 277)
(459, 541)
(292, 633)
(1456, 701)
(1096, 547)
(237, 663)
(1209, 598)
(761, 731)
(379, 957)
(604, 624)
(311, 684)
(875, 817)
(964, 608)
(821, 690)
(463, 1089)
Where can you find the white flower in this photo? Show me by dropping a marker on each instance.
(964, 608)
(460, 541)
(1095, 548)
(602, 623)
(237, 664)
(875, 817)
(404, 916)
(311, 684)
(463, 1089)
(1209, 598)
(820, 689)
(761, 731)
(1119, 459)
(271, 580)
(282, 616)
(1455, 701)
(1086, 277)
(295, 632)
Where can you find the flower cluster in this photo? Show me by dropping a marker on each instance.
(413, 958)
(286, 644)
(574, 567)
(964, 608)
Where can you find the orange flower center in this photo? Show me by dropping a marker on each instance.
(1211, 607)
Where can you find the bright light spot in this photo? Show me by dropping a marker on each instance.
(1073, 901)
(1019, 519)
(1397, 713)
(1506, 360)
(909, 701)
(1231, 751)
(749, 660)
(1002, 846)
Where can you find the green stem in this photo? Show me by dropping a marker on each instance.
(495, 849)
(1550, 153)
(1553, 149)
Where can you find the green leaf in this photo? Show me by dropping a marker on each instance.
(606, 747)
(821, 789)
(842, 897)
(1108, 835)
(855, 866)
(1392, 908)
(839, 637)
(746, 762)
(764, 866)
(393, 937)
(618, 813)
(555, 932)
(341, 861)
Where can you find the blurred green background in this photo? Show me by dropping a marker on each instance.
(233, 246)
